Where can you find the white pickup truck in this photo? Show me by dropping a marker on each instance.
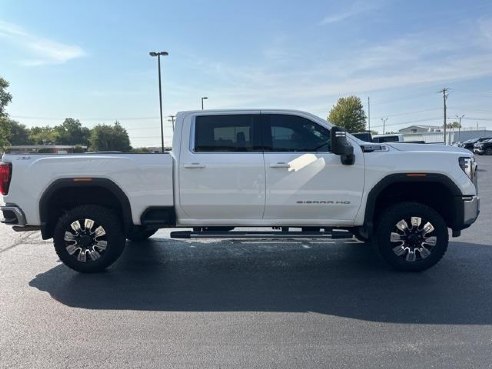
(279, 169)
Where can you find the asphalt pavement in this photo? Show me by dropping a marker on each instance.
(248, 304)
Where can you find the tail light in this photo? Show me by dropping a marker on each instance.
(5, 176)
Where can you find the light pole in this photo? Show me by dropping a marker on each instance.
(384, 123)
(158, 54)
(459, 127)
(171, 119)
(204, 98)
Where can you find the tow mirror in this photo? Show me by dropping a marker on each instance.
(341, 146)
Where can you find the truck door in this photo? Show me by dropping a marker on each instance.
(305, 182)
(222, 172)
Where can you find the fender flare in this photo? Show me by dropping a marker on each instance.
(64, 183)
(392, 179)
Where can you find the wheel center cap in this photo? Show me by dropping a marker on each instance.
(413, 239)
(85, 240)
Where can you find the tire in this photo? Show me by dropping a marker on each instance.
(488, 151)
(139, 234)
(411, 237)
(89, 238)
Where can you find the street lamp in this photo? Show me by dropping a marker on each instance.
(384, 123)
(171, 119)
(204, 98)
(158, 54)
(459, 127)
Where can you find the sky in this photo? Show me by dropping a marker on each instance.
(90, 60)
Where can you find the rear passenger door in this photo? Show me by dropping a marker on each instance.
(221, 172)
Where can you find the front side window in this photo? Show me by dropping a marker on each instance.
(224, 133)
(297, 134)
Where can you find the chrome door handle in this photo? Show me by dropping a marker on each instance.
(280, 165)
(194, 166)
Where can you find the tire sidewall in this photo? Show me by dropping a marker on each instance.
(114, 235)
(406, 210)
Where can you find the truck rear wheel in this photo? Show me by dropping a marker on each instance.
(411, 236)
(89, 238)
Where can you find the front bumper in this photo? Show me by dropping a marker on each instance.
(13, 215)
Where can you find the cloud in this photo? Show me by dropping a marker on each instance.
(411, 60)
(485, 25)
(39, 50)
(357, 8)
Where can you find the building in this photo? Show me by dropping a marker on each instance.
(420, 129)
(435, 134)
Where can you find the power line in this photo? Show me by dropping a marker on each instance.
(407, 113)
(408, 122)
(471, 118)
(82, 118)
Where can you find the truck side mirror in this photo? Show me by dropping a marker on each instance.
(341, 146)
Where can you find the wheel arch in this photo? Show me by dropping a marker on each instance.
(67, 193)
(435, 190)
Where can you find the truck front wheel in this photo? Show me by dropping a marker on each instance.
(411, 236)
(89, 238)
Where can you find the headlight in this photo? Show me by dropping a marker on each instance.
(469, 167)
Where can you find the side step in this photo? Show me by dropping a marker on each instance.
(334, 234)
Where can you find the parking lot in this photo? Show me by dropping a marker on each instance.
(248, 304)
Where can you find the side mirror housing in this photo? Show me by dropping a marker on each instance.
(341, 146)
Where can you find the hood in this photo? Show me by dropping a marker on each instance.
(428, 148)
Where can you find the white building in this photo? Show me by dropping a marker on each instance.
(435, 134)
(420, 129)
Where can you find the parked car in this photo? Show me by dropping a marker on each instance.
(364, 136)
(397, 137)
(484, 147)
(469, 144)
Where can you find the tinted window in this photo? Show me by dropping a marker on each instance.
(224, 133)
(293, 133)
(387, 139)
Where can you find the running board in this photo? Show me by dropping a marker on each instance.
(335, 234)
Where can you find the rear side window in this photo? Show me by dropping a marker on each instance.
(298, 134)
(224, 133)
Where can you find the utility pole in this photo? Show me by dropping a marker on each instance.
(444, 92)
(384, 123)
(369, 112)
(171, 119)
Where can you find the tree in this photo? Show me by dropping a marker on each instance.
(18, 133)
(454, 125)
(71, 132)
(4, 133)
(43, 136)
(5, 98)
(109, 138)
(348, 113)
